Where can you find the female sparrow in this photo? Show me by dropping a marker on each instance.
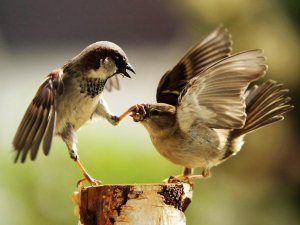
(204, 109)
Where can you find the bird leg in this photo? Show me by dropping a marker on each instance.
(184, 177)
(138, 108)
(187, 176)
(86, 177)
(103, 111)
(68, 137)
(187, 171)
(205, 174)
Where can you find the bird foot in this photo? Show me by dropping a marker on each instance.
(138, 112)
(177, 179)
(86, 177)
(184, 178)
(89, 179)
(138, 108)
(114, 120)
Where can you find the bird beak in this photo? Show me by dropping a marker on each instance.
(123, 70)
(130, 68)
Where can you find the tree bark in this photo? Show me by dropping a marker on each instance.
(136, 204)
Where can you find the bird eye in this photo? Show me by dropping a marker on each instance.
(155, 112)
(117, 58)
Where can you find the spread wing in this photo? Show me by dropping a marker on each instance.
(216, 97)
(216, 46)
(39, 120)
(112, 83)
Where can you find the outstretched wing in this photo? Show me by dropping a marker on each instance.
(216, 97)
(216, 46)
(39, 120)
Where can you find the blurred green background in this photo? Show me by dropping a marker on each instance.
(261, 185)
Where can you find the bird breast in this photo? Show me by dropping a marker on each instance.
(200, 147)
(78, 102)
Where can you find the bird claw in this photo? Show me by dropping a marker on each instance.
(89, 179)
(114, 120)
(138, 112)
(184, 179)
(138, 109)
(177, 179)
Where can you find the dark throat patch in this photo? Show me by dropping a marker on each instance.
(91, 86)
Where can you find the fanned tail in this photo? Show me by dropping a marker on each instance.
(265, 104)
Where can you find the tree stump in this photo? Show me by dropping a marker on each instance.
(136, 204)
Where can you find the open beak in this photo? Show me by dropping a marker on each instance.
(130, 68)
(123, 70)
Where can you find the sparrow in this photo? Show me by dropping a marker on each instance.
(204, 106)
(68, 98)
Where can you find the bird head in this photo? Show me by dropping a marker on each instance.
(103, 60)
(156, 117)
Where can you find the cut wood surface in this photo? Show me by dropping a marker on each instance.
(134, 204)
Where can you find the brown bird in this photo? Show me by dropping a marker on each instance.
(204, 109)
(68, 98)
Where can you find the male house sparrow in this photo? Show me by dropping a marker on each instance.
(68, 98)
(204, 110)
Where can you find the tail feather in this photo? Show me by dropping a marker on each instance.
(265, 104)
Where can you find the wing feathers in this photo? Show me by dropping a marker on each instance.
(39, 119)
(216, 97)
(41, 127)
(216, 46)
(50, 131)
